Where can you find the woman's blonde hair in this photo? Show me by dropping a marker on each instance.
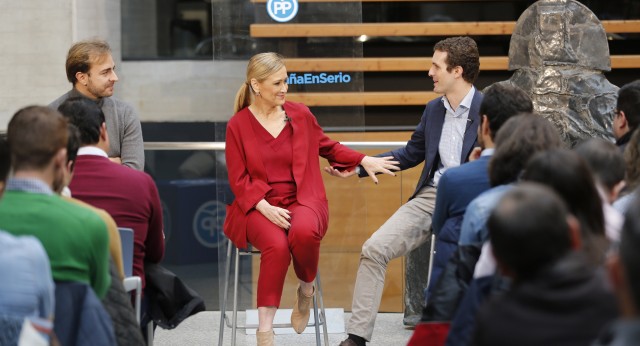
(261, 66)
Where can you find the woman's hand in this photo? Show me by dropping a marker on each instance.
(375, 165)
(279, 216)
(336, 173)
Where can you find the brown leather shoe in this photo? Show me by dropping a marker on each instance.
(348, 342)
(300, 313)
(265, 338)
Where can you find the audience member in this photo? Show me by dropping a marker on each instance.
(458, 186)
(91, 71)
(607, 166)
(27, 290)
(75, 238)
(624, 274)
(632, 174)
(116, 302)
(627, 115)
(129, 196)
(115, 246)
(444, 138)
(557, 298)
(517, 140)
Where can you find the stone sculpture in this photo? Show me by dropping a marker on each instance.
(559, 52)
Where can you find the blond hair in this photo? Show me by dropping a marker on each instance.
(260, 67)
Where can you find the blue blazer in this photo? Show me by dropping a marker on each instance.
(458, 186)
(423, 145)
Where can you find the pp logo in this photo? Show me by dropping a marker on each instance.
(207, 224)
(282, 10)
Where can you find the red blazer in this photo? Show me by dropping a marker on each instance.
(248, 177)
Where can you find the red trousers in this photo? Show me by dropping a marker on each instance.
(278, 247)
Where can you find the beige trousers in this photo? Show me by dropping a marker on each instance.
(404, 231)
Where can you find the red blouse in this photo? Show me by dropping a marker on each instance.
(277, 156)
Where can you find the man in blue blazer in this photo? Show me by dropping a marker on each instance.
(443, 139)
(460, 185)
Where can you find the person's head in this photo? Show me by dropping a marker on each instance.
(632, 162)
(501, 101)
(455, 61)
(606, 163)
(627, 115)
(37, 138)
(624, 267)
(90, 68)
(5, 162)
(266, 81)
(89, 119)
(569, 176)
(531, 229)
(517, 140)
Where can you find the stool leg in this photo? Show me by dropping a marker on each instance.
(323, 314)
(316, 321)
(235, 299)
(225, 290)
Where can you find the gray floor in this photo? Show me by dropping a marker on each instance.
(203, 329)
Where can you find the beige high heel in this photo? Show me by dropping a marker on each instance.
(300, 313)
(265, 338)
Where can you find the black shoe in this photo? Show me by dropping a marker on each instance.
(348, 342)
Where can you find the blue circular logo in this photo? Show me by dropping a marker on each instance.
(207, 224)
(282, 10)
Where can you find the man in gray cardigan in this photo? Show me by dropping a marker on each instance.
(91, 70)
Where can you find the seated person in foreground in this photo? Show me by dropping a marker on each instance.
(75, 238)
(624, 273)
(28, 289)
(129, 196)
(557, 298)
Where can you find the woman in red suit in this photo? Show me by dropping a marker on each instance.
(272, 149)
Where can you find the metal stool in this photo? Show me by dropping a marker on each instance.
(319, 319)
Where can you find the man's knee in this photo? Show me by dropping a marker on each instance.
(374, 251)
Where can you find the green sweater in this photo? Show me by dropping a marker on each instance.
(75, 238)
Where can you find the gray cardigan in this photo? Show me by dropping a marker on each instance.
(123, 128)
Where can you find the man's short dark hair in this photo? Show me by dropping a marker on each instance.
(529, 230)
(569, 176)
(518, 139)
(604, 159)
(461, 51)
(5, 158)
(628, 250)
(501, 101)
(629, 103)
(86, 115)
(35, 135)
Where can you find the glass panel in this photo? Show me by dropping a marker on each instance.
(166, 29)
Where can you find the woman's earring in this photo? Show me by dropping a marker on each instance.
(257, 93)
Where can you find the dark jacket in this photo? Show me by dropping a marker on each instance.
(458, 186)
(423, 145)
(170, 300)
(80, 318)
(452, 285)
(566, 304)
(118, 305)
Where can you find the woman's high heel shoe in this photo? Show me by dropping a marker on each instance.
(300, 313)
(265, 338)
